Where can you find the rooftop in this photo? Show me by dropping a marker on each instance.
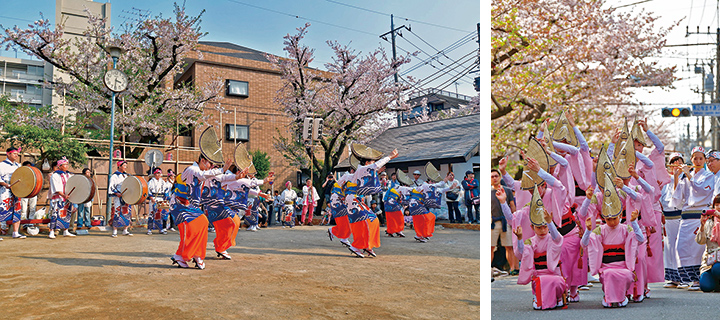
(444, 141)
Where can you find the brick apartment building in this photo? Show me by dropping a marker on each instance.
(251, 115)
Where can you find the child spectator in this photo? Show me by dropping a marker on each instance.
(326, 216)
(709, 235)
(408, 219)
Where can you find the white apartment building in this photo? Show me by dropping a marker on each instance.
(22, 81)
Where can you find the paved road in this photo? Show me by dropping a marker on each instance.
(513, 301)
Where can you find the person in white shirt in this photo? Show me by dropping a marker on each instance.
(451, 198)
(121, 211)
(61, 208)
(157, 188)
(169, 223)
(83, 216)
(671, 218)
(9, 204)
(693, 192)
(416, 179)
(310, 198)
(288, 197)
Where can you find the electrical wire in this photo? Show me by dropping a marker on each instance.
(403, 18)
(457, 44)
(301, 17)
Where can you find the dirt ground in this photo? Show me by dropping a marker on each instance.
(275, 273)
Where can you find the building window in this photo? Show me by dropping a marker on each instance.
(237, 88)
(233, 131)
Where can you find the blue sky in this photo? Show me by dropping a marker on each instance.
(262, 24)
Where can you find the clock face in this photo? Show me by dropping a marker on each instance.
(116, 80)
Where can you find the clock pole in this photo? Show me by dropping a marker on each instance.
(115, 54)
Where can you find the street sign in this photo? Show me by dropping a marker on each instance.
(706, 109)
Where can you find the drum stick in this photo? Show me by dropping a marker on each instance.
(14, 183)
(69, 193)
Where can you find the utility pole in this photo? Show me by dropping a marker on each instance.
(716, 97)
(392, 33)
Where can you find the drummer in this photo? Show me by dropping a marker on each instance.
(9, 204)
(158, 195)
(62, 209)
(121, 211)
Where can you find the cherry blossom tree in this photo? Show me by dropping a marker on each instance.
(352, 95)
(580, 56)
(155, 50)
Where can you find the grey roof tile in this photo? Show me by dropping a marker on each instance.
(453, 138)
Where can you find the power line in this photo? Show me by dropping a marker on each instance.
(301, 17)
(386, 14)
(439, 70)
(448, 49)
(416, 47)
(461, 74)
(18, 19)
(457, 64)
(423, 40)
(631, 4)
(359, 8)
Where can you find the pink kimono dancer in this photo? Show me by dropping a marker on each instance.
(574, 271)
(574, 264)
(617, 276)
(652, 221)
(647, 221)
(548, 284)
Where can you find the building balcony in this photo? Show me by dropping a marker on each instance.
(24, 98)
(20, 77)
(433, 91)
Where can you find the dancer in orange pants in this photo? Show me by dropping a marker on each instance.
(364, 182)
(193, 240)
(186, 211)
(338, 209)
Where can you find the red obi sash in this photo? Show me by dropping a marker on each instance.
(613, 253)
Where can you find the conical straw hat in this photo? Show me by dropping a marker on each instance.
(625, 159)
(210, 146)
(612, 206)
(564, 132)
(637, 134)
(537, 210)
(549, 142)
(604, 166)
(624, 137)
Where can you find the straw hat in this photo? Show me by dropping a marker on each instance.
(637, 134)
(564, 132)
(612, 206)
(604, 166)
(624, 136)
(625, 159)
(537, 210)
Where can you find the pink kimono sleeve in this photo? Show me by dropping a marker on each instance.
(595, 252)
(527, 264)
(521, 218)
(661, 174)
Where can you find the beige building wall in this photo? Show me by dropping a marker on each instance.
(73, 16)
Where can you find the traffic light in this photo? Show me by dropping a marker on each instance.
(307, 129)
(477, 84)
(676, 112)
(317, 129)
